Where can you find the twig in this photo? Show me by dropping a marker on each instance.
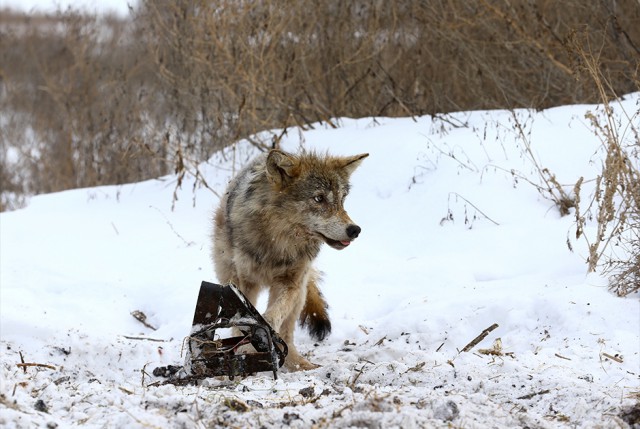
(360, 371)
(147, 339)
(452, 156)
(142, 318)
(614, 358)
(472, 205)
(177, 234)
(479, 338)
(337, 413)
(416, 368)
(562, 357)
(515, 174)
(364, 329)
(24, 366)
(144, 372)
(531, 395)
(443, 118)
(127, 391)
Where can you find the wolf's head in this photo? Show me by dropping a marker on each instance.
(314, 188)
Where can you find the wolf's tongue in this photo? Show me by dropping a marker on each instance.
(345, 243)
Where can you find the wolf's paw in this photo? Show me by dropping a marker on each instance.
(298, 363)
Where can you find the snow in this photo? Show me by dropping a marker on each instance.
(118, 7)
(452, 242)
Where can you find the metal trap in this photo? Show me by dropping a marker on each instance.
(208, 355)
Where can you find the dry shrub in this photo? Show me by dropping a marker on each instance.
(273, 63)
(88, 101)
(546, 182)
(616, 202)
(76, 101)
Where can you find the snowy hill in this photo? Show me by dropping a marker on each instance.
(454, 239)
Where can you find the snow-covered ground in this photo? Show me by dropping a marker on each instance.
(454, 239)
(118, 7)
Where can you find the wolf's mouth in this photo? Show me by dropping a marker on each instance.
(336, 244)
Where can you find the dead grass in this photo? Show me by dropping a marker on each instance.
(615, 204)
(90, 101)
(75, 100)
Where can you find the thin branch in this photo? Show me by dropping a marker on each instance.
(475, 207)
(24, 365)
(479, 338)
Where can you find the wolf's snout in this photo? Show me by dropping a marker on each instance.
(353, 231)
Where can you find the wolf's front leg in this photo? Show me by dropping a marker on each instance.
(283, 310)
(283, 300)
(294, 360)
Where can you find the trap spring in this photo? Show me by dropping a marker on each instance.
(209, 355)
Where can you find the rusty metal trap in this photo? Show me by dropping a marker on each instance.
(208, 355)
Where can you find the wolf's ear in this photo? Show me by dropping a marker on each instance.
(281, 167)
(350, 163)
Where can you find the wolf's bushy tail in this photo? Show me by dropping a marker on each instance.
(314, 314)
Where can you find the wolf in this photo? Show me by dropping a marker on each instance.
(270, 225)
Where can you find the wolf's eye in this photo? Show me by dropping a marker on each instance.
(318, 198)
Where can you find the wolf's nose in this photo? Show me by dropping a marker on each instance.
(353, 231)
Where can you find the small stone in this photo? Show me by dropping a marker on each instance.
(289, 417)
(307, 392)
(41, 406)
